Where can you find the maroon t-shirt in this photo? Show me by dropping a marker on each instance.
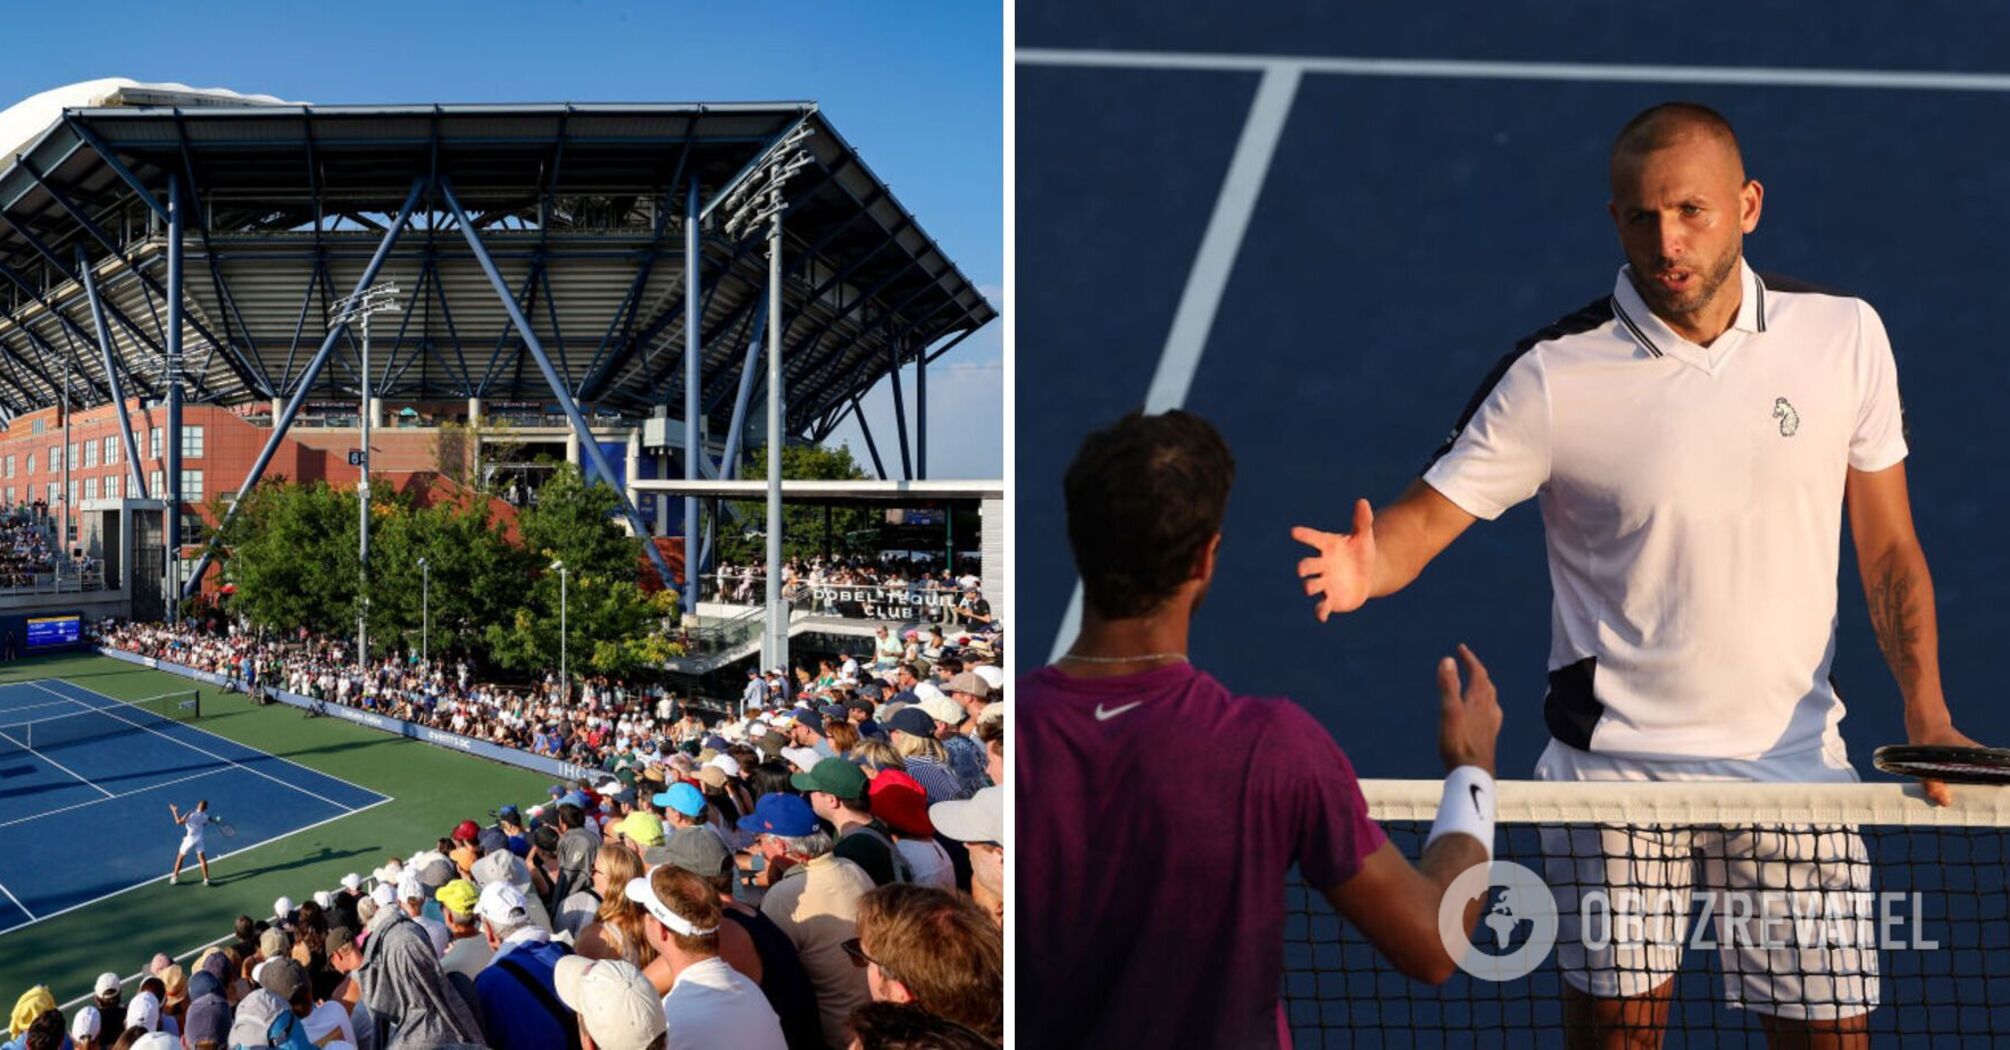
(1158, 815)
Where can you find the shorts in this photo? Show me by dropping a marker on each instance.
(1788, 908)
(191, 844)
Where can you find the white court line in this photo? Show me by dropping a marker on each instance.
(17, 903)
(1179, 358)
(11, 711)
(198, 729)
(123, 794)
(1750, 76)
(82, 779)
(108, 712)
(213, 860)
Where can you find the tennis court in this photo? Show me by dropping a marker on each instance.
(82, 769)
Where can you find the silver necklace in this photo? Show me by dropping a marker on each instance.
(1078, 658)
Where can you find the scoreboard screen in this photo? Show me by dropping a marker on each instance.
(47, 631)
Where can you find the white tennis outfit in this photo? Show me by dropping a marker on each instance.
(195, 823)
(1692, 503)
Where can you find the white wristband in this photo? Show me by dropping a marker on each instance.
(1467, 808)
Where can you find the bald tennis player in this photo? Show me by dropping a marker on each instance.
(1692, 439)
(1159, 813)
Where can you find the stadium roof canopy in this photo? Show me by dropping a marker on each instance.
(581, 206)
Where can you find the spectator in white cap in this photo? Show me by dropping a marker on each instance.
(282, 914)
(412, 897)
(515, 992)
(709, 1002)
(155, 1041)
(979, 823)
(617, 1007)
(966, 756)
(107, 997)
(144, 1012)
(84, 1028)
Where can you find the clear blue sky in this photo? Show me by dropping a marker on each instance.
(917, 87)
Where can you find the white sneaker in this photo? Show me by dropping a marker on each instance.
(206, 882)
(174, 878)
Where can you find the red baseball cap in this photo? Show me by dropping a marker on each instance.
(467, 831)
(901, 801)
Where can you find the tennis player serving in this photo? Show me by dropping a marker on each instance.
(196, 821)
(1692, 439)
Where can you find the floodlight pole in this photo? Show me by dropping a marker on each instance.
(778, 614)
(425, 612)
(564, 673)
(371, 300)
(363, 508)
(759, 200)
(171, 483)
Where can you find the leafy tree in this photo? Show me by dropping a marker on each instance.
(613, 627)
(291, 552)
(806, 531)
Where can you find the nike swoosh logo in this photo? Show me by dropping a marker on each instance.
(1104, 716)
(1477, 808)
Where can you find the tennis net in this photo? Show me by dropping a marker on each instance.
(127, 716)
(1801, 906)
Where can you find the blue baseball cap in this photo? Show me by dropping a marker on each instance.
(780, 814)
(683, 798)
(913, 721)
(572, 798)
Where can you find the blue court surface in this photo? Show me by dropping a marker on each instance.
(86, 817)
(1320, 225)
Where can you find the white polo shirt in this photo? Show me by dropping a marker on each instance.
(1692, 503)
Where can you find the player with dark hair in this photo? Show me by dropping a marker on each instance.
(1159, 813)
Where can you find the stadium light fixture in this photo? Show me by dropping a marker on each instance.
(376, 299)
(760, 201)
(425, 612)
(564, 678)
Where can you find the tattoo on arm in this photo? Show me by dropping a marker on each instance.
(1892, 616)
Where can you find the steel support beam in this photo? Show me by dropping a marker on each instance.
(314, 366)
(587, 445)
(35, 296)
(899, 411)
(139, 484)
(871, 446)
(729, 460)
(694, 351)
(118, 167)
(920, 416)
(171, 469)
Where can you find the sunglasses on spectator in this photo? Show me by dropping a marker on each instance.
(859, 958)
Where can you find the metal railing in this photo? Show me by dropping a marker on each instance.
(710, 638)
(55, 583)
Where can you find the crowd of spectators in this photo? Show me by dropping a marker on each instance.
(26, 549)
(922, 590)
(604, 715)
(734, 894)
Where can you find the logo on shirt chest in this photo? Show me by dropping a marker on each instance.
(1790, 420)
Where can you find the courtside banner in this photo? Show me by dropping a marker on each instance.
(546, 765)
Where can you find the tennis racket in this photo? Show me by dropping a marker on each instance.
(228, 829)
(1954, 765)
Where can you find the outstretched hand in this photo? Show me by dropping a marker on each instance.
(1469, 717)
(1343, 571)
